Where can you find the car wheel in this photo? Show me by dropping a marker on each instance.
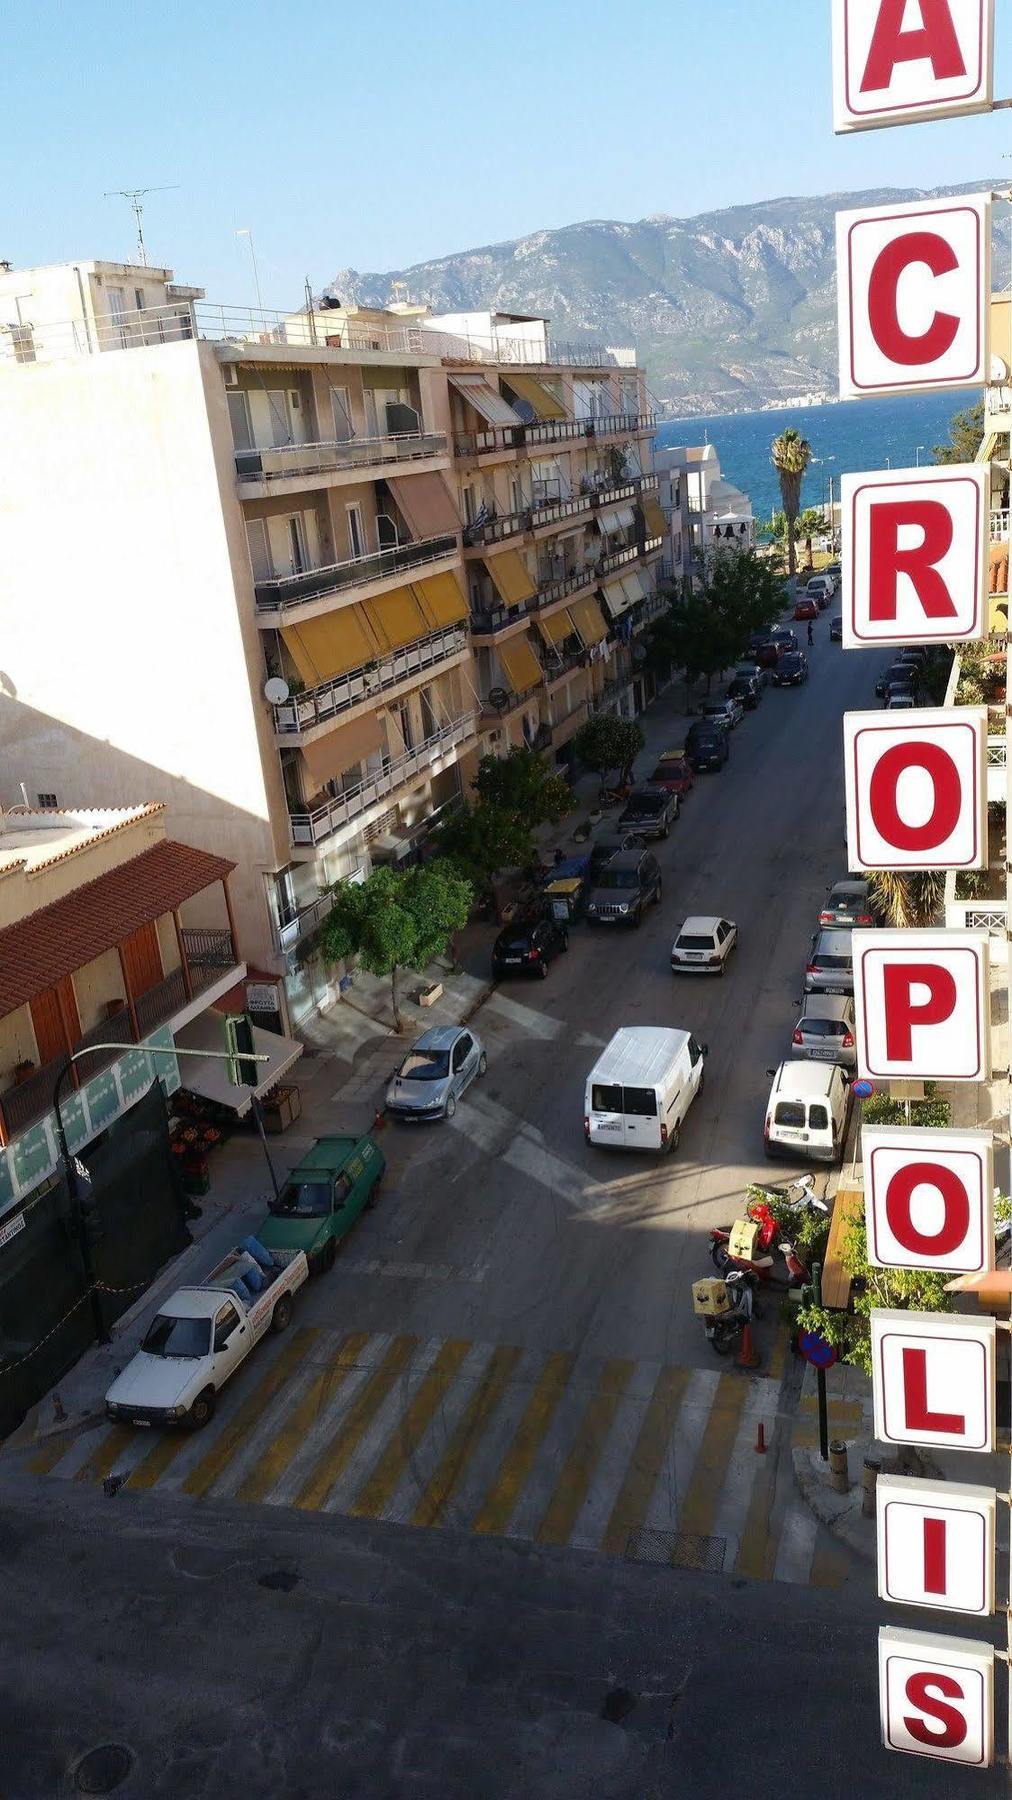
(542, 971)
(722, 971)
(657, 895)
(482, 1065)
(328, 1255)
(373, 1196)
(675, 1139)
(450, 1107)
(638, 918)
(282, 1315)
(202, 1411)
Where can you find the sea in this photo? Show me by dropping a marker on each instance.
(847, 438)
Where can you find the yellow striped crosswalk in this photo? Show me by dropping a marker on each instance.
(627, 1458)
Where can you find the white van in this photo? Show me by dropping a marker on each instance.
(641, 1088)
(808, 1111)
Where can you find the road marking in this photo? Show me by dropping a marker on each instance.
(270, 1467)
(698, 1510)
(578, 1469)
(499, 1503)
(532, 1023)
(504, 1135)
(757, 1550)
(402, 1445)
(46, 1459)
(416, 1271)
(778, 1355)
(629, 1512)
(202, 1478)
(160, 1455)
(446, 1479)
(370, 1398)
(106, 1454)
(797, 1542)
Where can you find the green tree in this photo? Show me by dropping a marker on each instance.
(811, 524)
(522, 782)
(966, 434)
(918, 1290)
(908, 898)
(395, 920)
(481, 840)
(606, 743)
(791, 455)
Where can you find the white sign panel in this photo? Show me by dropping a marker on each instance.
(936, 1696)
(916, 788)
(929, 1198)
(933, 1379)
(921, 1005)
(914, 292)
(915, 548)
(898, 61)
(936, 1544)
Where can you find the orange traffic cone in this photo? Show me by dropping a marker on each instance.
(748, 1356)
(379, 1122)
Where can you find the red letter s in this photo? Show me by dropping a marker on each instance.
(921, 1691)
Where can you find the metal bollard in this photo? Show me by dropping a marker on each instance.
(869, 1482)
(838, 1469)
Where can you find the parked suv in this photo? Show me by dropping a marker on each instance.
(650, 812)
(625, 889)
(707, 746)
(608, 845)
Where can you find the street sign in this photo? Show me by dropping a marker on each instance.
(936, 1696)
(936, 1544)
(895, 64)
(929, 1198)
(915, 554)
(916, 788)
(933, 1379)
(914, 295)
(922, 1005)
(817, 1349)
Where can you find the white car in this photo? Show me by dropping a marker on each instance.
(704, 945)
(900, 703)
(727, 712)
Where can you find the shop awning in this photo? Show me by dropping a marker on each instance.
(330, 645)
(589, 621)
(558, 628)
(615, 598)
(396, 618)
(540, 399)
(329, 756)
(209, 1077)
(657, 524)
(614, 518)
(511, 577)
(426, 504)
(442, 599)
(486, 400)
(520, 665)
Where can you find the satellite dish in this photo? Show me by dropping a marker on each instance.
(499, 698)
(999, 369)
(276, 691)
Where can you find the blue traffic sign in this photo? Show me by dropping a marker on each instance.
(863, 1090)
(817, 1349)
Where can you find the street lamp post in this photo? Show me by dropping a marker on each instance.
(920, 447)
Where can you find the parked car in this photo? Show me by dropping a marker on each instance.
(764, 651)
(641, 1088)
(724, 713)
(898, 675)
(825, 1031)
(900, 700)
(435, 1072)
(606, 846)
(528, 946)
(805, 608)
(808, 1111)
(848, 904)
(630, 883)
(707, 746)
(322, 1197)
(830, 964)
(836, 630)
(821, 589)
(747, 690)
(792, 669)
(650, 812)
(760, 671)
(784, 639)
(674, 772)
(704, 944)
(834, 569)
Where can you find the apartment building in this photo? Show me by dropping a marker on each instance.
(295, 573)
(705, 513)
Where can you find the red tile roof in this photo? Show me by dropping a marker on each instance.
(35, 953)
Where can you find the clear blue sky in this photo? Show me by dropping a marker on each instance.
(373, 136)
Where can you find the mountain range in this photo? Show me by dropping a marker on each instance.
(729, 310)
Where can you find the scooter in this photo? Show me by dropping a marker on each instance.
(761, 1267)
(724, 1329)
(760, 1231)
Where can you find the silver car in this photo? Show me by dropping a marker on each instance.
(830, 964)
(825, 1031)
(435, 1072)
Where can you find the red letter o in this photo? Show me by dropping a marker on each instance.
(957, 1209)
(948, 793)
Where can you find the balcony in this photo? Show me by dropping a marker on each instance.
(495, 715)
(286, 462)
(321, 705)
(1000, 527)
(499, 618)
(285, 592)
(622, 424)
(288, 933)
(495, 528)
(308, 828)
(535, 435)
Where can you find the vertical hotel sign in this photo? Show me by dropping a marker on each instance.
(914, 283)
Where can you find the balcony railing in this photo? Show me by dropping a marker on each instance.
(563, 662)
(289, 932)
(208, 951)
(493, 530)
(281, 462)
(555, 431)
(621, 423)
(332, 698)
(489, 438)
(1000, 527)
(344, 809)
(485, 624)
(313, 584)
(619, 559)
(493, 715)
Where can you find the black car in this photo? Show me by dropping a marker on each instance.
(707, 747)
(784, 639)
(605, 847)
(901, 676)
(625, 889)
(650, 812)
(792, 670)
(527, 946)
(836, 631)
(747, 689)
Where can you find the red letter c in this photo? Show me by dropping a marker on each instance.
(939, 257)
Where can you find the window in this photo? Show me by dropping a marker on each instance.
(821, 1028)
(48, 802)
(356, 530)
(606, 1099)
(818, 1118)
(641, 1103)
(462, 1051)
(225, 1322)
(341, 402)
(242, 424)
(790, 1112)
(342, 1188)
(139, 300)
(723, 930)
(695, 1051)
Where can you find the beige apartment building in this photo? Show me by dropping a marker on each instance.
(293, 574)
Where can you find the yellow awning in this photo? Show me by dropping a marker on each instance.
(615, 597)
(330, 645)
(538, 397)
(520, 665)
(396, 618)
(657, 524)
(441, 598)
(511, 576)
(558, 628)
(589, 621)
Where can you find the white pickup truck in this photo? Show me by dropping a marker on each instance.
(197, 1340)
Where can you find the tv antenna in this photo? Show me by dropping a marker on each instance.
(136, 198)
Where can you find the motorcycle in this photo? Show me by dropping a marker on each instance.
(748, 1243)
(723, 1329)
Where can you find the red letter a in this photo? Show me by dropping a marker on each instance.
(935, 42)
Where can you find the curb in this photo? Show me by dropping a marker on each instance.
(840, 1513)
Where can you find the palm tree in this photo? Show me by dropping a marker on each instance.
(907, 899)
(811, 524)
(791, 455)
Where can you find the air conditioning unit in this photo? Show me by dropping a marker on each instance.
(230, 375)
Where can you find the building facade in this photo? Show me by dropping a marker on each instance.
(295, 573)
(705, 513)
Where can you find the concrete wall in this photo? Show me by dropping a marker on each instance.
(17, 1044)
(95, 985)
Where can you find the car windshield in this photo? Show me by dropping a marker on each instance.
(303, 1200)
(694, 943)
(619, 878)
(789, 1112)
(167, 1336)
(669, 771)
(426, 1065)
(833, 962)
(792, 660)
(648, 803)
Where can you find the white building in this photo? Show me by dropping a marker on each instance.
(705, 511)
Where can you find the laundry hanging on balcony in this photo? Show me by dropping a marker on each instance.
(512, 577)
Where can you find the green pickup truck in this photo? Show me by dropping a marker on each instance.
(322, 1198)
